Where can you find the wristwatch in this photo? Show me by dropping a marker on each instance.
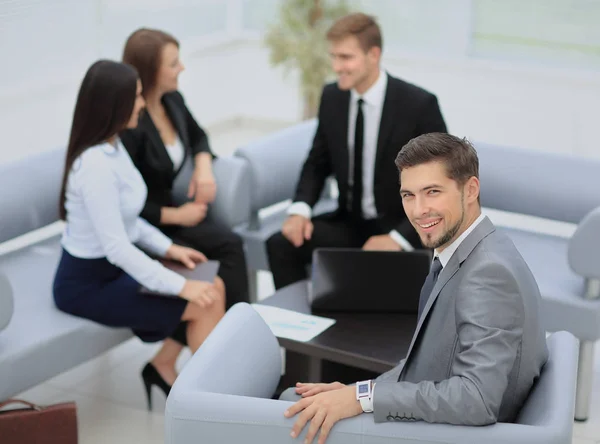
(364, 395)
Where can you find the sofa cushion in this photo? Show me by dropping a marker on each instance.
(40, 341)
(564, 307)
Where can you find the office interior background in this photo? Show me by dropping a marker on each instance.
(523, 73)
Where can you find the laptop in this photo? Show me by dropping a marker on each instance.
(205, 271)
(353, 280)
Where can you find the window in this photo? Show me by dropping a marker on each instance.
(561, 33)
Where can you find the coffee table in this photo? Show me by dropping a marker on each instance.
(358, 345)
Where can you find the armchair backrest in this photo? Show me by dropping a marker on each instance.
(275, 163)
(241, 340)
(561, 187)
(30, 193)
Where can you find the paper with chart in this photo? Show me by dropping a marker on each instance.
(292, 325)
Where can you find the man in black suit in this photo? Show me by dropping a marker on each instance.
(364, 120)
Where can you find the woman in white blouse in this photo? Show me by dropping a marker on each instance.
(104, 264)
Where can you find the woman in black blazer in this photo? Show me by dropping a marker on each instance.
(166, 137)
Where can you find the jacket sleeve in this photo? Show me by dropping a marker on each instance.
(198, 138)
(489, 324)
(431, 119)
(134, 142)
(317, 166)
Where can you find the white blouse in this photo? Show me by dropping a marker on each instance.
(105, 195)
(176, 153)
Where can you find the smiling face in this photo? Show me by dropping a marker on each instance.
(355, 68)
(438, 207)
(167, 77)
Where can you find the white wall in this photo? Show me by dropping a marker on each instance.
(491, 97)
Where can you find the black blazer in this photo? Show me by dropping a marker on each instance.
(408, 111)
(150, 156)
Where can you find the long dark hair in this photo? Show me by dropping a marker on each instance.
(104, 106)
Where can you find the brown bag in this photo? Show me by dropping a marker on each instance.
(53, 424)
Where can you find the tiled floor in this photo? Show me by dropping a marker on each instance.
(108, 390)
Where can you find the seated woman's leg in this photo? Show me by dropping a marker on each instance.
(201, 321)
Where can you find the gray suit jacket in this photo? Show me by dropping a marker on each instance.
(479, 345)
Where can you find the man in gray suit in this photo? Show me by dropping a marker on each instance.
(479, 345)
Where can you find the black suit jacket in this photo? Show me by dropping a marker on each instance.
(408, 111)
(150, 156)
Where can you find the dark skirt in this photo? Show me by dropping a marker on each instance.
(97, 290)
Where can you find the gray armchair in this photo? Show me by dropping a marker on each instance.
(224, 395)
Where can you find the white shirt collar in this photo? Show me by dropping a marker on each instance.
(375, 95)
(447, 253)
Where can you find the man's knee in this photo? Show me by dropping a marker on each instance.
(277, 244)
(290, 394)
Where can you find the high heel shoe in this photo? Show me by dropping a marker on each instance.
(151, 377)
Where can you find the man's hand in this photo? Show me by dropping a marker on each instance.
(297, 229)
(202, 188)
(382, 242)
(323, 411)
(308, 389)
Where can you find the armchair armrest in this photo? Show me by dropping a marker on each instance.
(584, 246)
(232, 175)
(230, 419)
(6, 301)
(232, 205)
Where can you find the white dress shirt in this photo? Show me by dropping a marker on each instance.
(447, 252)
(176, 152)
(105, 195)
(372, 107)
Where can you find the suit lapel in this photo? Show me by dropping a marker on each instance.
(177, 118)
(386, 123)
(157, 145)
(482, 230)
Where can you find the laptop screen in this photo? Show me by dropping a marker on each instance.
(351, 280)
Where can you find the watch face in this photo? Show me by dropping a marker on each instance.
(363, 389)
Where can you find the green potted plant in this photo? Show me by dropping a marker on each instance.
(297, 41)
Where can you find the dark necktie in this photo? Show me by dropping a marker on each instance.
(357, 175)
(430, 281)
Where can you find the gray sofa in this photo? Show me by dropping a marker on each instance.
(223, 395)
(40, 342)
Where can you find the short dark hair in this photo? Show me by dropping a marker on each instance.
(143, 51)
(458, 155)
(362, 26)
